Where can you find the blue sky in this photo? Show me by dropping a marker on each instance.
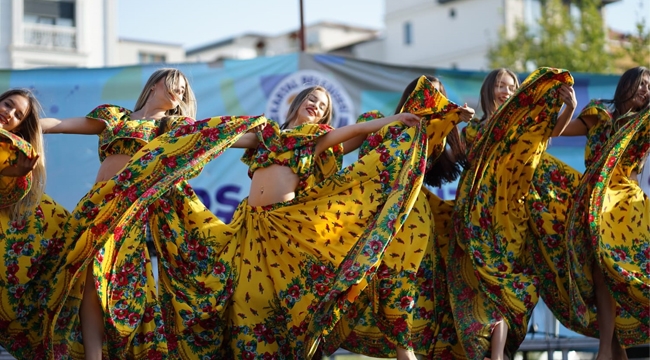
(197, 22)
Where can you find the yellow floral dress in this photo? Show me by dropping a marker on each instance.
(609, 224)
(404, 304)
(264, 285)
(31, 247)
(489, 272)
(116, 251)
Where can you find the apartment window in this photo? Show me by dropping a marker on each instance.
(59, 13)
(148, 58)
(408, 33)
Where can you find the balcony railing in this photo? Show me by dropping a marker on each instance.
(50, 36)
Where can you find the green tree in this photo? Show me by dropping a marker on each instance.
(560, 39)
(637, 45)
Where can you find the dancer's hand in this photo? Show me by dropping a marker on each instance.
(466, 113)
(408, 119)
(568, 96)
(23, 166)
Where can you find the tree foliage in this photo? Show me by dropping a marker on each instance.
(637, 45)
(558, 38)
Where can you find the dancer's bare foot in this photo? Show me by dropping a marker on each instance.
(404, 354)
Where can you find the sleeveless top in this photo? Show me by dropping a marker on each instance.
(123, 135)
(295, 149)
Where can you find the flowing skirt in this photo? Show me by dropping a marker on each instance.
(490, 276)
(31, 249)
(264, 284)
(609, 231)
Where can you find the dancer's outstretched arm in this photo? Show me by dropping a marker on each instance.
(247, 141)
(340, 135)
(76, 125)
(580, 126)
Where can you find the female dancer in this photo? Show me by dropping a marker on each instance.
(31, 223)
(610, 244)
(399, 313)
(491, 284)
(83, 302)
(219, 317)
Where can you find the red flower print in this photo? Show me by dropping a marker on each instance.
(316, 271)
(399, 326)
(558, 228)
(134, 318)
(621, 254)
(294, 291)
(525, 99)
(124, 175)
(121, 314)
(219, 268)
(383, 158)
(611, 161)
(497, 134)
(374, 140)
(121, 279)
(406, 302)
(384, 293)
(99, 229)
(18, 225)
(321, 289)
(351, 275)
(170, 162)
(18, 247)
(19, 341)
(154, 354)
(473, 328)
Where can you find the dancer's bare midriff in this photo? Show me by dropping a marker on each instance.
(111, 166)
(272, 185)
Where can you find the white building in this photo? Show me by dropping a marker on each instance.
(75, 33)
(132, 52)
(319, 38)
(72, 33)
(446, 33)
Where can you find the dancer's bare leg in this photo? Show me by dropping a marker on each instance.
(404, 354)
(605, 314)
(498, 341)
(92, 321)
(617, 349)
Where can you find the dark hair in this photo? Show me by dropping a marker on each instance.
(450, 164)
(626, 89)
(487, 101)
(292, 114)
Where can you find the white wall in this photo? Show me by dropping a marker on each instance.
(94, 31)
(440, 40)
(129, 51)
(5, 33)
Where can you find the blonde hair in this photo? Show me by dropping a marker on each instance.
(30, 130)
(487, 100)
(186, 105)
(292, 113)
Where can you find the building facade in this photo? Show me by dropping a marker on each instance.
(322, 37)
(453, 34)
(63, 33)
(72, 33)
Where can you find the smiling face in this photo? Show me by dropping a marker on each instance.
(642, 95)
(170, 97)
(13, 110)
(313, 108)
(504, 87)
